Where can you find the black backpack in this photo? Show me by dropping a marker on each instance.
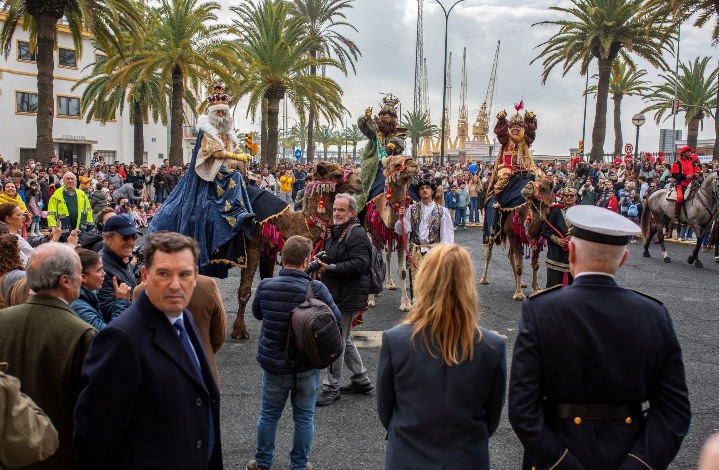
(377, 268)
(313, 337)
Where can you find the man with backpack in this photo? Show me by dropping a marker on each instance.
(274, 302)
(346, 273)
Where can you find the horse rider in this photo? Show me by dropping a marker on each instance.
(685, 170)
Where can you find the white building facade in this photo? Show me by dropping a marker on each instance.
(75, 140)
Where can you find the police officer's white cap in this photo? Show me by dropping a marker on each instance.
(600, 225)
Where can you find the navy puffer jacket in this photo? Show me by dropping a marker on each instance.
(274, 300)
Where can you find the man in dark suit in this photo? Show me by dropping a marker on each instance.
(45, 342)
(150, 399)
(590, 355)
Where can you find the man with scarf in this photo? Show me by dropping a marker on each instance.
(385, 139)
(556, 231)
(211, 204)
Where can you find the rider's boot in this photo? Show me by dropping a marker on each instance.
(677, 210)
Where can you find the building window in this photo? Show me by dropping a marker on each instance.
(67, 58)
(99, 57)
(25, 102)
(108, 156)
(24, 53)
(68, 106)
(161, 156)
(27, 155)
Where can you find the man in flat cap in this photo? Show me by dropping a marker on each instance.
(588, 359)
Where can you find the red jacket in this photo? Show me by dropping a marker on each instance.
(683, 167)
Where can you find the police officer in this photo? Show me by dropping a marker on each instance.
(588, 358)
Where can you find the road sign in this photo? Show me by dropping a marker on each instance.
(628, 148)
(298, 154)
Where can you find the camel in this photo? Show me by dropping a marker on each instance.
(328, 180)
(383, 212)
(698, 212)
(539, 198)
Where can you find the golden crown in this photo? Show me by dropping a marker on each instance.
(389, 105)
(218, 95)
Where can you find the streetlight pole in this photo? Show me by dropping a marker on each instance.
(638, 120)
(444, 82)
(584, 124)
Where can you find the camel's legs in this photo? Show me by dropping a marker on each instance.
(487, 256)
(515, 260)
(535, 270)
(244, 292)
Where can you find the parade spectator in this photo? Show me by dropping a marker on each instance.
(158, 182)
(98, 200)
(119, 235)
(34, 202)
(475, 186)
(92, 239)
(113, 178)
(267, 181)
(450, 201)
(46, 343)
(300, 174)
(587, 194)
(346, 275)
(12, 268)
(286, 182)
(128, 191)
(588, 413)
(10, 194)
(440, 366)
(625, 198)
(273, 302)
(159, 333)
(170, 179)
(121, 170)
(12, 217)
(462, 203)
(87, 306)
(647, 170)
(68, 208)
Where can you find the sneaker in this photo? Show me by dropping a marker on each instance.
(354, 387)
(455, 228)
(252, 465)
(464, 227)
(327, 397)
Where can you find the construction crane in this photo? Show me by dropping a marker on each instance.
(480, 129)
(462, 128)
(419, 61)
(425, 91)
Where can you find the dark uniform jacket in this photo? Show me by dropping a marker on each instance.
(557, 257)
(45, 343)
(348, 280)
(596, 343)
(143, 404)
(439, 417)
(114, 267)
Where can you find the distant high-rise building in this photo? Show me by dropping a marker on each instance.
(666, 143)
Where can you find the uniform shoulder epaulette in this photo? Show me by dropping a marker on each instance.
(647, 296)
(544, 291)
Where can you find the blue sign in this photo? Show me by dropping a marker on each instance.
(298, 153)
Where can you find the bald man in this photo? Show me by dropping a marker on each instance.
(45, 343)
(69, 206)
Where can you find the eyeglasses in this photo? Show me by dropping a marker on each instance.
(127, 238)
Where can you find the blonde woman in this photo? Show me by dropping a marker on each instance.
(441, 377)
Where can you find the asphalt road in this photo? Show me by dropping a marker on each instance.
(348, 434)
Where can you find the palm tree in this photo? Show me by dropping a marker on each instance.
(325, 136)
(186, 47)
(277, 51)
(696, 93)
(354, 134)
(624, 81)
(321, 19)
(683, 10)
(418, 126)
(298, 132)
(603, 30)
(104, 18)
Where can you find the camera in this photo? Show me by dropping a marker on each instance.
(314, 265)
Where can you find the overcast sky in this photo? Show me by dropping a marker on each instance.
(386, 37)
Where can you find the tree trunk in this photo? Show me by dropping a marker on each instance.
(618, 144)
(176, 118)
(600, 114)
(693, 133)
(311, 119)
(415, 144)
(138, 129)
(274, 96)
(44, 146)
(354, 151)
(263, 131)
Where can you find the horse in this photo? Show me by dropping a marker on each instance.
(328, 180)
(383, 212)
(698, 212)
(539, 196)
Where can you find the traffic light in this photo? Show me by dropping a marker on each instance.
(580, 150)
(677, 103)
(249, 145)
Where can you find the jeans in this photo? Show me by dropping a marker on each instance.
(474, 210)
(460, 217)
(686, 232)
(286, 196)
(160, 194)
(275, 389)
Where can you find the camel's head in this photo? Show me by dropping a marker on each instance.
(540, 189)
(400, 169)
(346, 180)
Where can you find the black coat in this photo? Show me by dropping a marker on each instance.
(143, 404)
(348, 280)
(596, 343)
(114, 267)
(557, 257)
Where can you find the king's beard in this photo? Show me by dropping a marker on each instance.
(387, 128)
(222, 124)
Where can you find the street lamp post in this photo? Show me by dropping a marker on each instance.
(444, 82)
(638, 120)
